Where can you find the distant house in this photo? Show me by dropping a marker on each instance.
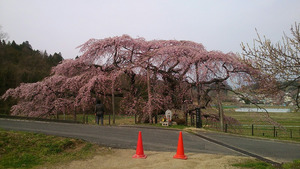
(287, 100)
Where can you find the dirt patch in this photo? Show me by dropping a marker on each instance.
(122, 158)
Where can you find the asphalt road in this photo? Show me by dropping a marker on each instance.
(280, 151)
(159, 140)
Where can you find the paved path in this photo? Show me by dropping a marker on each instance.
(279, 151)
(159, 140)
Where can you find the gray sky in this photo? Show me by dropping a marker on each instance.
(62, 25)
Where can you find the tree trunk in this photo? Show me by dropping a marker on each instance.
(297, 99)
(192, 96)
(220, 107)
(198, 94)
(113, 101)
(198, 86)
(75, 118)
(149, 96)
(83, 117)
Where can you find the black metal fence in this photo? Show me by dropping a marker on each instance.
(269, 131)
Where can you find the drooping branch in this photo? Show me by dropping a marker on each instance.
(173, 67)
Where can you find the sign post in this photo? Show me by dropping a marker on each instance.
(198, 118)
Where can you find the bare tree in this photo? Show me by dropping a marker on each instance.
(280, 62)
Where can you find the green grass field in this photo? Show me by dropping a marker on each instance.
(256, 164)
(90, 119)
(289, 128)
(27, 150)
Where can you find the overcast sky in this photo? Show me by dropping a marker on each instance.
(62, 25)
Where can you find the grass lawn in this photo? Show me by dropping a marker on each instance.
(285, 119)
(256, 164)
(90, 119)
(27, 150)
(262, 128)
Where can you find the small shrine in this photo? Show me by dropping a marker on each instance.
(167, 120)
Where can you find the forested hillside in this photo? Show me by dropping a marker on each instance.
(22, 64)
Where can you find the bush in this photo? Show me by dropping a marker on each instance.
(179, 121)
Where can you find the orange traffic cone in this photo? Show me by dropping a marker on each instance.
(180, 149)
(139, 148)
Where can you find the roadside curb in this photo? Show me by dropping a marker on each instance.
(247, 136)
(238, 150)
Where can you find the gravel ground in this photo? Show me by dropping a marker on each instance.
(122, 158)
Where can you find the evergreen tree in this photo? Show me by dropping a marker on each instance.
(21, 64)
